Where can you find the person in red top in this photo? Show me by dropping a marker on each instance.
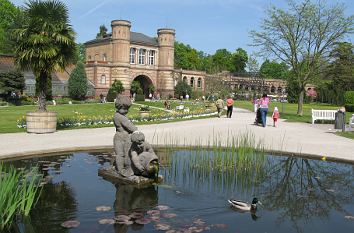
(275, 116)
(230, 106)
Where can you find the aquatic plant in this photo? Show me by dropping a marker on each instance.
(234, 162)
(19, 193)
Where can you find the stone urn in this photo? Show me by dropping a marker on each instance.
(41, 122)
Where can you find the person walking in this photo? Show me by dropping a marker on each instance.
(275, 116)
(230, 106)
(219, 106)
(263, 105)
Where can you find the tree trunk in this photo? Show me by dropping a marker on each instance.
(300, 102)
(42, 85)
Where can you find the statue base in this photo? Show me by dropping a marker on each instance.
(111, 175)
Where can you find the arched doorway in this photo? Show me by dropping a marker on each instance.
(145, 82)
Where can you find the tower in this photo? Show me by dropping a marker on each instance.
(120, 52)
(166, 40)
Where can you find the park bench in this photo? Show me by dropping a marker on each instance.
(323, 115)
(351, 122)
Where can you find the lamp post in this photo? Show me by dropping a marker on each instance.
(282, 101)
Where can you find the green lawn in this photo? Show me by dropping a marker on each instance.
(288, 110)
(9, 115)
(346, 134)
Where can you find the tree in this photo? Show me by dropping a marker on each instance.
(222, 60)
(187, 57)
(339, 75)
(102, 33)
(136, 87)
(45, 42)
(240, 59)
(302, 37)
(80, 53)
(116, 89)
(11, 82)
(274, 70)
(77, 83)
(182, 89)
(8, 13)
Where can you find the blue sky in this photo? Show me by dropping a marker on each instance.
(205, 25)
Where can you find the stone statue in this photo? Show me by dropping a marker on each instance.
(135, 161)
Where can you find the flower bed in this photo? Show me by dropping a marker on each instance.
(80, 120)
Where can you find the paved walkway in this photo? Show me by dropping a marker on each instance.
(296, 138)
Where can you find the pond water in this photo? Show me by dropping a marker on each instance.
(297, 195)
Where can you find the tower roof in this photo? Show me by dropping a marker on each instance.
(135, 38)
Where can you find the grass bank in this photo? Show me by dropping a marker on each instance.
(288, 110)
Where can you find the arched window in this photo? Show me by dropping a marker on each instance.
(199, 82)
(104, 57)
(103, 79)
(272, 89)
(89, 58)
(142, 56)
(192, 82)
(279, 90)
(185, 79)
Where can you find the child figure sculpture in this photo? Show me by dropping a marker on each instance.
(121, 140)
(144, 160)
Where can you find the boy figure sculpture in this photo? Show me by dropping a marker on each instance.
(143, 157)
(121, 140)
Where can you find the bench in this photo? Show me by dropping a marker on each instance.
(323, 115)
(351, 122)
(179, 107)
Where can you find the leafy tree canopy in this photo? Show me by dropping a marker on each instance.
(182, 89)
(102, 32)
(77, 83)
(11, 81)
(302, 37)
(8, 13)
(274, 70)
(240, 59)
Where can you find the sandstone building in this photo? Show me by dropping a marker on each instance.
(130, 56)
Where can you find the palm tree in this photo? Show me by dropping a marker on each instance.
(45, 42)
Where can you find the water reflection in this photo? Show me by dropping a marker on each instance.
(301, 190)
(134, 201)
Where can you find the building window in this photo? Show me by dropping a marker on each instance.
(132, 55)
(103, 79)
(89, 58)
(192, 82)
(272, 89)
(152, 57)
(185, 79)
(142, 56)
(104, 57)
(199, 82)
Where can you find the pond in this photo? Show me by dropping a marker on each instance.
(297, 195)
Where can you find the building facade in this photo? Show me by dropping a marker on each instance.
(129, 56)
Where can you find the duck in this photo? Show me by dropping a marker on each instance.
(244, 206)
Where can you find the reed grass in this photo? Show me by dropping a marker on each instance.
(230, 163)
(19, 193)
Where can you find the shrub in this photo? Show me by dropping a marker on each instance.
(145, 108)
(349, 107)
(139, 97)
(116, 88)
(77, 83)
(349, 97)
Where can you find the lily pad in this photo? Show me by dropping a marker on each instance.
(142, 221)
(70, 224)
(162, 207)
(162, 227)
(103, 208)
(169, 215)
(109, 221)
(122, 218)
(153, 212)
